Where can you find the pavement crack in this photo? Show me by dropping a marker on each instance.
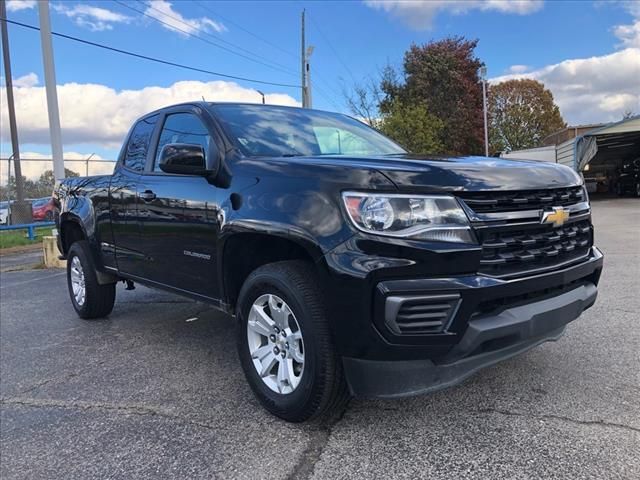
(127, 409)
(60, 378)
(306, 464)
(549, 416)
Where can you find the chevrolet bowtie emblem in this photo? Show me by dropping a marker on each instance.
(558, 216)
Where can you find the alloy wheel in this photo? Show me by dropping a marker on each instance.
(275, 343)
(77, 281)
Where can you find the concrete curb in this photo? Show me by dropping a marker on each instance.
(50, 253)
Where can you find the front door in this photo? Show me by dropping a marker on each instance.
(123, 199)
(178, 214)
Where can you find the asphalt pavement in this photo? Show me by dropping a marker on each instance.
(156, 391)
(21, 260)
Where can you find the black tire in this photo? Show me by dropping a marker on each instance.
(322, 391)
(48, 216)
(99, 299)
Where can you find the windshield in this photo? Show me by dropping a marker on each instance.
(260, 130)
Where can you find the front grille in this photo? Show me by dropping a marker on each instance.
(485, 202)
(515, 242)
(420, 315)
(506, 252)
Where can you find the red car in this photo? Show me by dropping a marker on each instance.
(42, 209)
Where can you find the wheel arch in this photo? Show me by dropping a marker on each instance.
(242, 253)
(71, 230)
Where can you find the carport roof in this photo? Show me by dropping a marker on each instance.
(615, 142)
(625, 126)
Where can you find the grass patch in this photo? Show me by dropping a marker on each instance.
(17, 238)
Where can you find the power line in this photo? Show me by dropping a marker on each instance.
(326, 96)
(322, 92)
(335, 52)
(219, 39)
(186, 32)
(321, 79)
(346, 67)
(153, 59)
(228, 20)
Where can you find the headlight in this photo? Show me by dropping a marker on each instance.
(421, 217)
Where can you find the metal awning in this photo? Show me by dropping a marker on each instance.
(610, 144)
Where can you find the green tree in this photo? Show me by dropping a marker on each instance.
(443, 76)
(413, 127)
(521, 114)
(43, 187)
(47, 181)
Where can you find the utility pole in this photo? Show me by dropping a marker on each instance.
(483, 77)
(308, 70)
(50, 87)
(15, 146)
(303, 60)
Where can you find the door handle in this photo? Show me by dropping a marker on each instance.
(147, 195)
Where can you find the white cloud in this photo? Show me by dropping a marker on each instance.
(629, 35)
(15, 5)
(420, 14)
(96, 19)
(592, 90)
(519, 68)
(104, 115)
(171, 19)
(28, 80)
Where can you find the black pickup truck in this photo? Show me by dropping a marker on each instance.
(351, 266)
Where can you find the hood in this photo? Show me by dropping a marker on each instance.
(415, 173)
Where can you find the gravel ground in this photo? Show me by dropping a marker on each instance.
(156, 391)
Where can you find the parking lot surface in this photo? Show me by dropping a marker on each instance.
(156, 391)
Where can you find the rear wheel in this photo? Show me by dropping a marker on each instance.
(89, 299)
(285, 346)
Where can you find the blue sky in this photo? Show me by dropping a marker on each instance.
(363, 36)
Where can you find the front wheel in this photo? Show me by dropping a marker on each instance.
(285, 346)
(89, 299)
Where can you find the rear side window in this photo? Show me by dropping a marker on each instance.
(182, 128)
(136, 154)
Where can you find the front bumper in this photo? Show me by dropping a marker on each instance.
(493, 319)
(487, 340)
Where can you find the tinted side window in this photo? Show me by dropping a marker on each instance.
(136, 155)
(182, 128)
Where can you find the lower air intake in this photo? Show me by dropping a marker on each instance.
(420, 315)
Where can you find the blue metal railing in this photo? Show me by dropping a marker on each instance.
(30, 227)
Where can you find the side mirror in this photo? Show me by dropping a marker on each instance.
(183, 158)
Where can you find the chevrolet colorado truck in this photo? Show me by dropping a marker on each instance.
(350, 266)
